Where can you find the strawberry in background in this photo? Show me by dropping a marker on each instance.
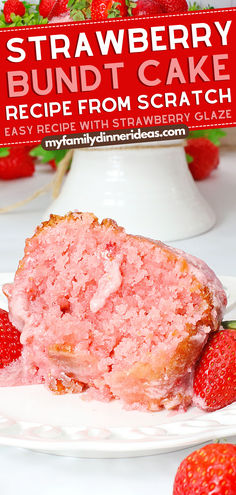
(210, 470)
(202, 151)
(53, 8)
(108, 9)
(19, 161)
(100, 9)
(146, 7)
(204, 157)
(171, 6)
(155, 7)
(122, 8)
(16, 162)
(13, 7)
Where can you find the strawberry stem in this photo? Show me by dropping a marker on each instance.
(229, 324)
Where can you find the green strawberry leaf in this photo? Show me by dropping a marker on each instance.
(79, 9)
(114, 11)
(229, 324)
(46, 156)
(130, 5)
(197, 6)
(189, 158)
(214, 135)
(78, 4)
(78, 16)
(4, 152)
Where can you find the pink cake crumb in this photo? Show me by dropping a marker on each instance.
(111, 314)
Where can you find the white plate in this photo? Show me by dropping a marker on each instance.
(33, 418)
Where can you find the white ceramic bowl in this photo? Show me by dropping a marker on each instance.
(147, 189)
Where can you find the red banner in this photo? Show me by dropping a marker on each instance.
(117, 74)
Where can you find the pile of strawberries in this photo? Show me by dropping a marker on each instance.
(103, 9)
(100, 9)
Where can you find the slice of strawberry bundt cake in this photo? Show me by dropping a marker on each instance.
(115, 315)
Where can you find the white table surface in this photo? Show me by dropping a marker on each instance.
(38, 473)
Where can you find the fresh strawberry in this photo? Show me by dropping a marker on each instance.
(13, 7)
(171, 6)
(154, 7)
(16, 163)
(210, 470)
(215, 375)
(100, 9)
(60, 7)
(203, 157)
(10, 346)
(122, 8)
(147, 7)
(47, 8)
